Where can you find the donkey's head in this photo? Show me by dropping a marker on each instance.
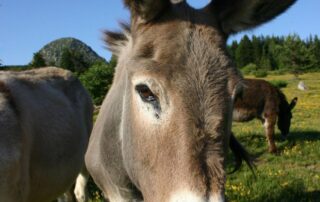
(285, 116)
(178, 87)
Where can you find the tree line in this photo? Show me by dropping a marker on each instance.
(284, 53)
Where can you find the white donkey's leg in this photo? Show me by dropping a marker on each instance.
(80, 189)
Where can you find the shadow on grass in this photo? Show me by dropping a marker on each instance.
(247, 141)
(304, 136)
(269, 191)
(298, 137)
(301, 197)
(290, 194)
(313, 195)
(255, 144)
(258, 142)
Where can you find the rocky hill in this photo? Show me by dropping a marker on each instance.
(53, 52)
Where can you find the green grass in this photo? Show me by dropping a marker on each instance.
(279, 83)
(294, 174)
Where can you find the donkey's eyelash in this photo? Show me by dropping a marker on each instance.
(145, 93)
(148, 96)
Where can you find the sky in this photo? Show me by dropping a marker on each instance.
(27, 25)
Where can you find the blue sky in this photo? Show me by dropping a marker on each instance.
(27, 25)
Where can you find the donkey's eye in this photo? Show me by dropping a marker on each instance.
(145, 93)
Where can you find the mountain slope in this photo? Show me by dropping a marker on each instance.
(53, 52)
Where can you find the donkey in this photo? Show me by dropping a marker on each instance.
(262, 100)
(164, 127)
(45, 123)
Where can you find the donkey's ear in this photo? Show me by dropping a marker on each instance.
(293, 103)
(238, 15)
(146, 10)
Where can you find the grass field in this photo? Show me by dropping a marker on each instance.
(294, 174)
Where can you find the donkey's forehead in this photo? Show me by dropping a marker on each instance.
(177, 42)
(176, 46)
(177, 51)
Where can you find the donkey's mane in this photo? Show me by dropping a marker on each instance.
(117, 39)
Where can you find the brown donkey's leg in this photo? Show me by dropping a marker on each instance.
(269, 126)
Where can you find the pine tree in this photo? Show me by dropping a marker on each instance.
(256, 49)
(244, 53)
(314, 49)
(232, 49)
(268, 60)
(79, 63)
(73, 61)
(275, 48)
(296, 56)
(37, 60)
(273, 53)
(66, 60)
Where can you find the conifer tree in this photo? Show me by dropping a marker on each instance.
(66, 60)
(244, 53)
(37, 60)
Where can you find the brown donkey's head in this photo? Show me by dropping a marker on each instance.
(285, 114)
(178, 92)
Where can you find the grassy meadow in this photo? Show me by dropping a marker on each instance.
(294, 174)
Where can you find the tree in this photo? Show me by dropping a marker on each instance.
(295, 54)
(97, 80)
(37, 60)
(232, 49)
(256, 49)
(314, 51)
(288, 53)
(66, 60)
(265, 61)
(113, 62)
(275, 49)
(73, 61)
(244, 53)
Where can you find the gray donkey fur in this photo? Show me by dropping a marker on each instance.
(45, 123)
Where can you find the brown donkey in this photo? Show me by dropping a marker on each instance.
(164, 127)
(262, 100)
